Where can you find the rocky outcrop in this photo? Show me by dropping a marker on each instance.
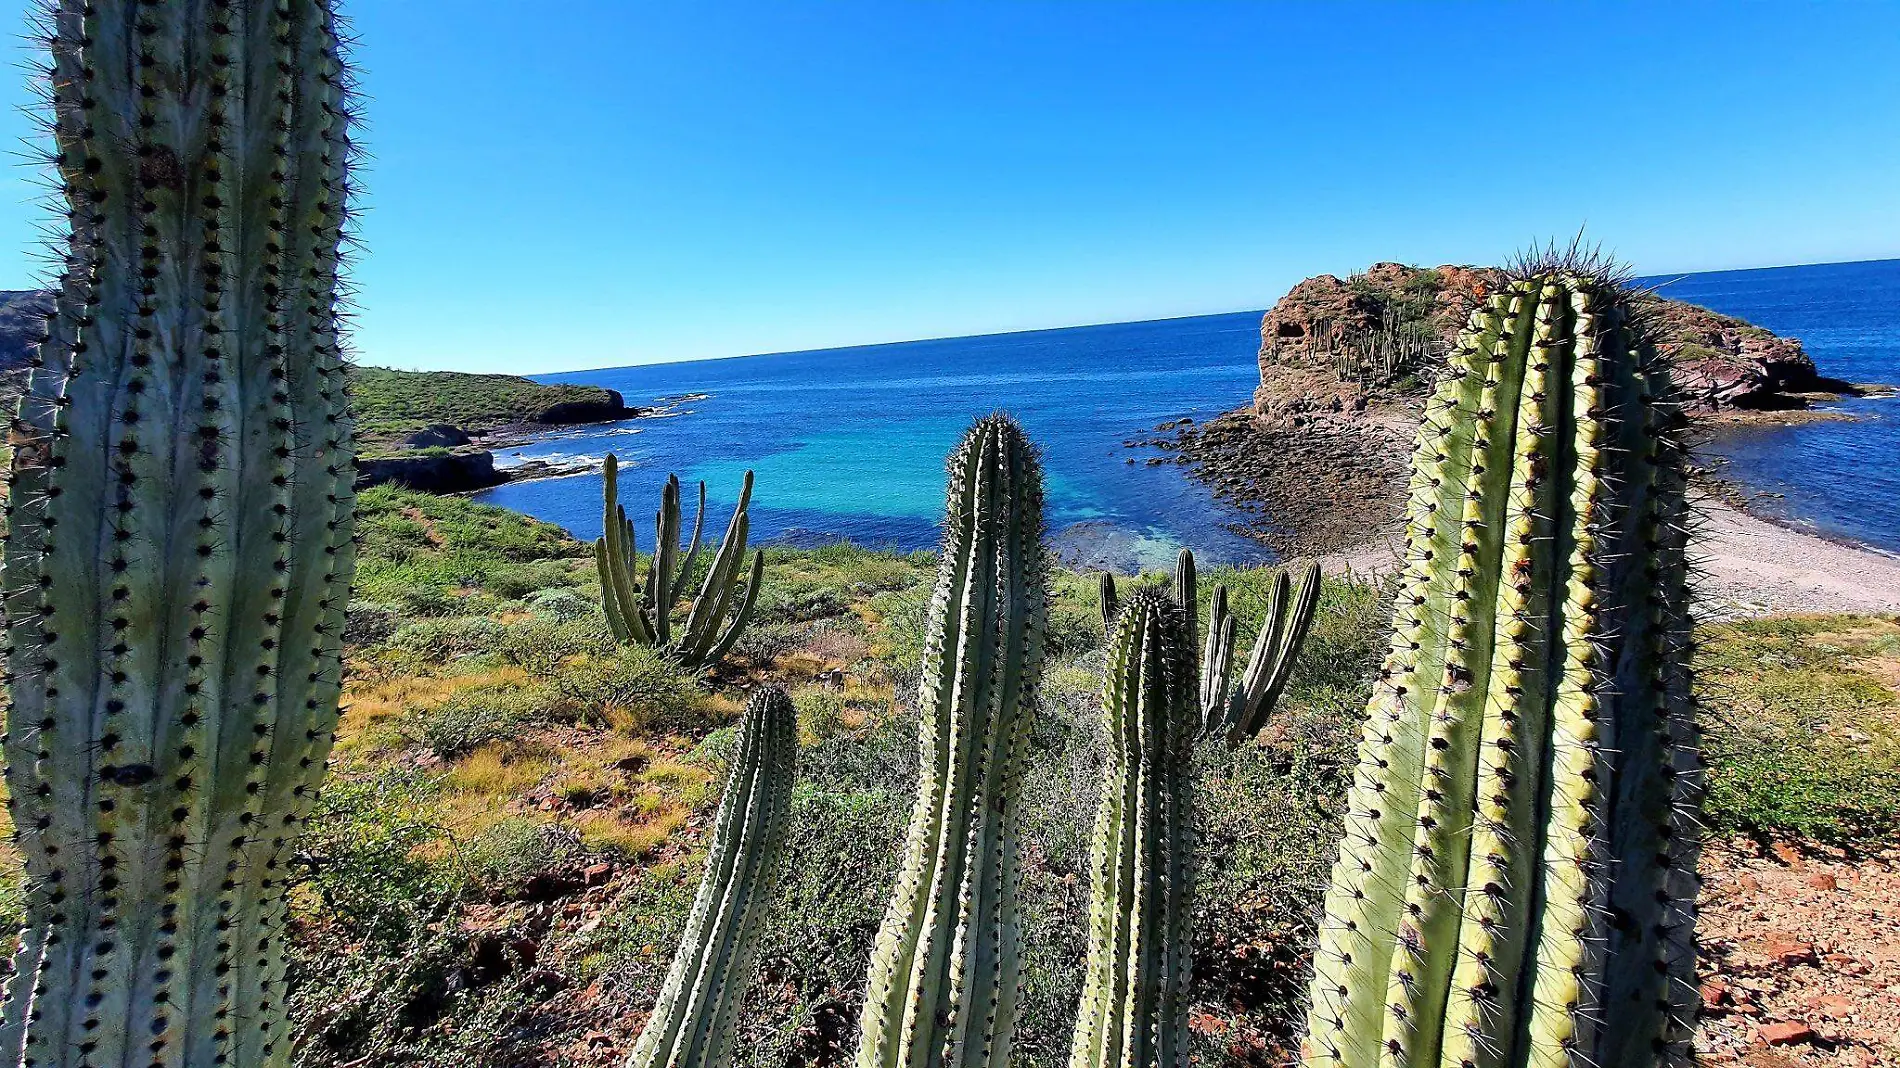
(434, 472)
(437, 436)
(587, 411)
(23, 315)
(1333, 345)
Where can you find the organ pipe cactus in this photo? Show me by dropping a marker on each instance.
(1517, 879)
(1134, 1002)
(178, 546)
(1134, 998)
(641, 612)
(692, 1024)
(1236, 712)
(943, 978)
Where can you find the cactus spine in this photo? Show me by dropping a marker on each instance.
(1517, 879)
(943, 979)
(642, 612)
(693, 1022)
(1134, 1002)
(180, 515)
(1134, 999)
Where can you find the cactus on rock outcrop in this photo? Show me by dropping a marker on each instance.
(1517, 881)
(943, 980)
(178, 546)
(1133, 1011)
(693, 1022)
(642, 612)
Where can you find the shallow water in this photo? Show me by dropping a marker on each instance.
(850, 442)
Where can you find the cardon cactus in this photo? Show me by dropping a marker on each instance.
(1158, 701)
(180, 517)
(1517, 879)
(1230, 711)
(692, 1023)
(943, 979)
(1134, 1005)
(642, 612)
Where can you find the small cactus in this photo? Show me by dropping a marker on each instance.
(943, 979)
(693, 1022)
(1516, 883)
(641, 613)
(1134, 1005)
(179, 538)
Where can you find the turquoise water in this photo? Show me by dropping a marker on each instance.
(850, 442)
(1840, 478)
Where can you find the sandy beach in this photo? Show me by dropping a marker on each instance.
(1748, 567)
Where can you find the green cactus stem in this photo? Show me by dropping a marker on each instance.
(1516, 883)
(693, 1022)
(179, 538)
(1133, 1012)
(641, 612)
(943, 978)
(1230, 711)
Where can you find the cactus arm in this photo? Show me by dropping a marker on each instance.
(666, 546)
(622, 555)
(693, 1022)
(691, 557)
(1242, 707)
(1110, 603)
(609, 600)
(1286, 647)
(744, 614)
(1345, 1023)
(715, 593)
(1187, 594)
(1217, 663)
(942, 984)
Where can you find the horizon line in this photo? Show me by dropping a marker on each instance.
(1672, 275)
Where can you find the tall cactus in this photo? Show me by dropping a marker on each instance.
(1133, 1012)
(1517, 879)
(943, 981)
(1158, 700)
(178, 549)
(692, 1024)
(642, 612)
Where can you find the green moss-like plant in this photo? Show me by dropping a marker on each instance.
(178, 548)
(1516, 883)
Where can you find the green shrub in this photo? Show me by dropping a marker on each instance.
(470, 719)
(634, 687)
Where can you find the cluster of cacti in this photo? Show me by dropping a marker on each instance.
(641, 612)
(943, 980)
(178, 544)
(693, 1022)
(1517, 881)
(1236, 712)
(1158, 701)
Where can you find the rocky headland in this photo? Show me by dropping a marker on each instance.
(1319, 459)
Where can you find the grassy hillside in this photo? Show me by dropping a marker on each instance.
(508, 847)
(390, 403)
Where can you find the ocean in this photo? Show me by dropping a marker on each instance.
(849, 443)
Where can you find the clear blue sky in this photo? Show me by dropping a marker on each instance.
(586, 183)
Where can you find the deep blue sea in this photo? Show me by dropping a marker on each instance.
(850, 442)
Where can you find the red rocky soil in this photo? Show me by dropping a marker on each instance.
(1800, 957)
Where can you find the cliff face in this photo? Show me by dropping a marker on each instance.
(1335, 344)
